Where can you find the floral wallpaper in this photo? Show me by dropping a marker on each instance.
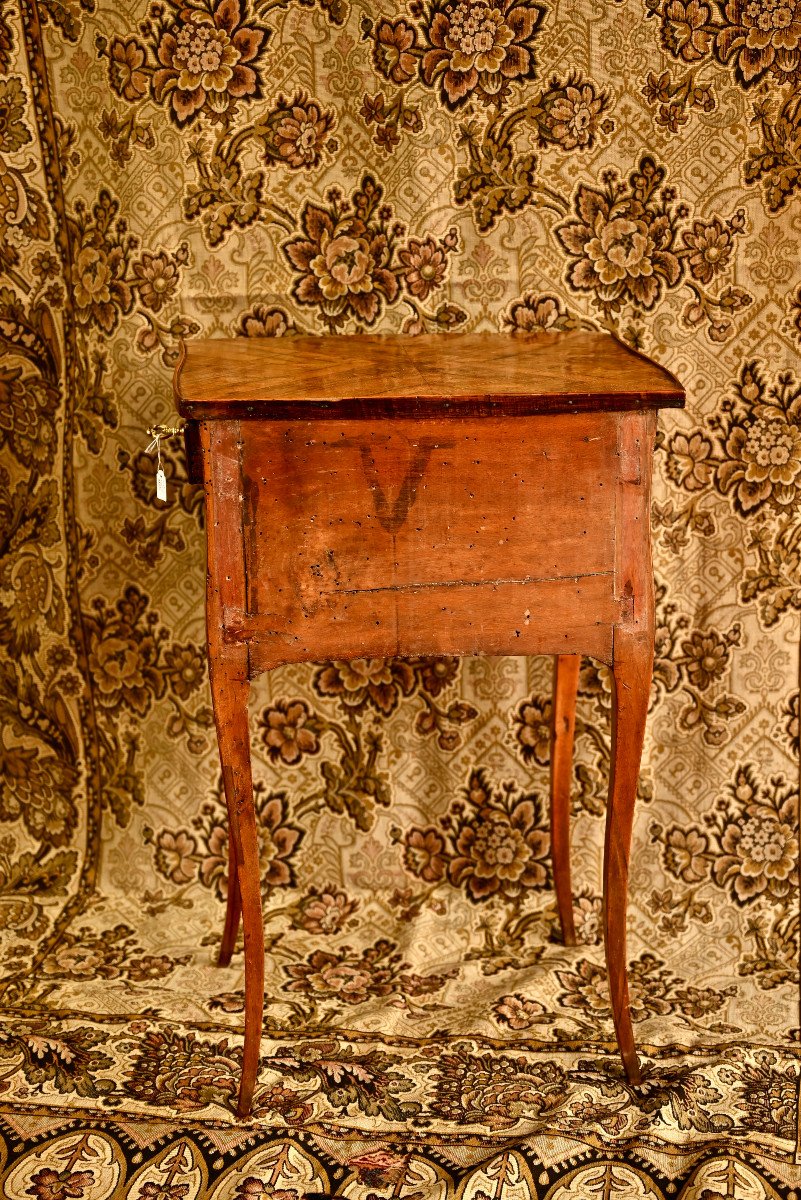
(264, 168)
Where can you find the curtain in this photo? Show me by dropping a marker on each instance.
(269, 168)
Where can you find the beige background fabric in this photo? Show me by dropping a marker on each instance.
(263, 168)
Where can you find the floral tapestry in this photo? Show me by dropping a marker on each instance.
(269, 168)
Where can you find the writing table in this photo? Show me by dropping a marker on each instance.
(380, 496)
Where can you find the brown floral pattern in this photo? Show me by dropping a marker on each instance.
(763, 453)
(208, 57)
(194, 1071)
(478, 47)
(289, 731)
(758, 845)
(494, 1089)
(349, 261)
(182, 856)
(749, 845)
(323, 911)
(468, 49)
(624, 251)
(377, 682)
(113, 954)
(755, 37)
(492, 843)
(652, 989)
(433, 161)
(102, 252)
(759, 41)
(297, 132)
(353, 979)
(750, 454)
(624, 248)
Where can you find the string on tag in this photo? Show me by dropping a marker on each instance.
(157, 432)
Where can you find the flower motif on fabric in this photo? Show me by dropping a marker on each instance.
(108, 282)
(102, 250)
(494, 1090)
(570, 113)
(296, 132)
(182, 1070)
(519, 1012)
(323, 911)
(38, 790)
(474, 54)
(290, 730)
(491, 843)
(264, 320)
(359, 683)
(14, 133)
(351, 261)
(533, 313)
(750, 452)
(753, 454)
(200, 854)
(84, 954)
(67, 1059)
(761, 36)
(465, 48)
(625, 247)
(755, 37)
(477, 47)
(653, 991)
(765, 1090)
(762, 448)
(760, 42)
(350, 978)
(133, 664)
(349, 1079)
(208, 58)
(749, 845)
(775, 161)
(204, 62)
(623, 241)
(47, 1184)
(27, 408)
(757, 837)
(532, 731)
(710, 243)
(124, 653)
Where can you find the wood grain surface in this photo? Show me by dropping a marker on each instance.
(432, 375)
(389, 538)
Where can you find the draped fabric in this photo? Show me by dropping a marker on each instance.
(265, 168)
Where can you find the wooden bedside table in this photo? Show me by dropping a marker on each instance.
(386, 496)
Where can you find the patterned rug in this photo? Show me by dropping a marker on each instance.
(274, 167)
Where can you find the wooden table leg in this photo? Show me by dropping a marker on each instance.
(229, 672)
(563, 727)
(233, 907)
(632, 668)
(229, 690)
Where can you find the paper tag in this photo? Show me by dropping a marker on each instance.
(161, 485)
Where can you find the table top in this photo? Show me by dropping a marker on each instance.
(375, 375)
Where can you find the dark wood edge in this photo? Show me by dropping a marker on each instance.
(413, 407)
(194, 452)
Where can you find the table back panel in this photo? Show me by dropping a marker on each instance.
(429, 536)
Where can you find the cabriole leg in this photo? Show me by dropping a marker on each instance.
(563, 727)
(230, 691)
(632, 667)
(233, 908)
